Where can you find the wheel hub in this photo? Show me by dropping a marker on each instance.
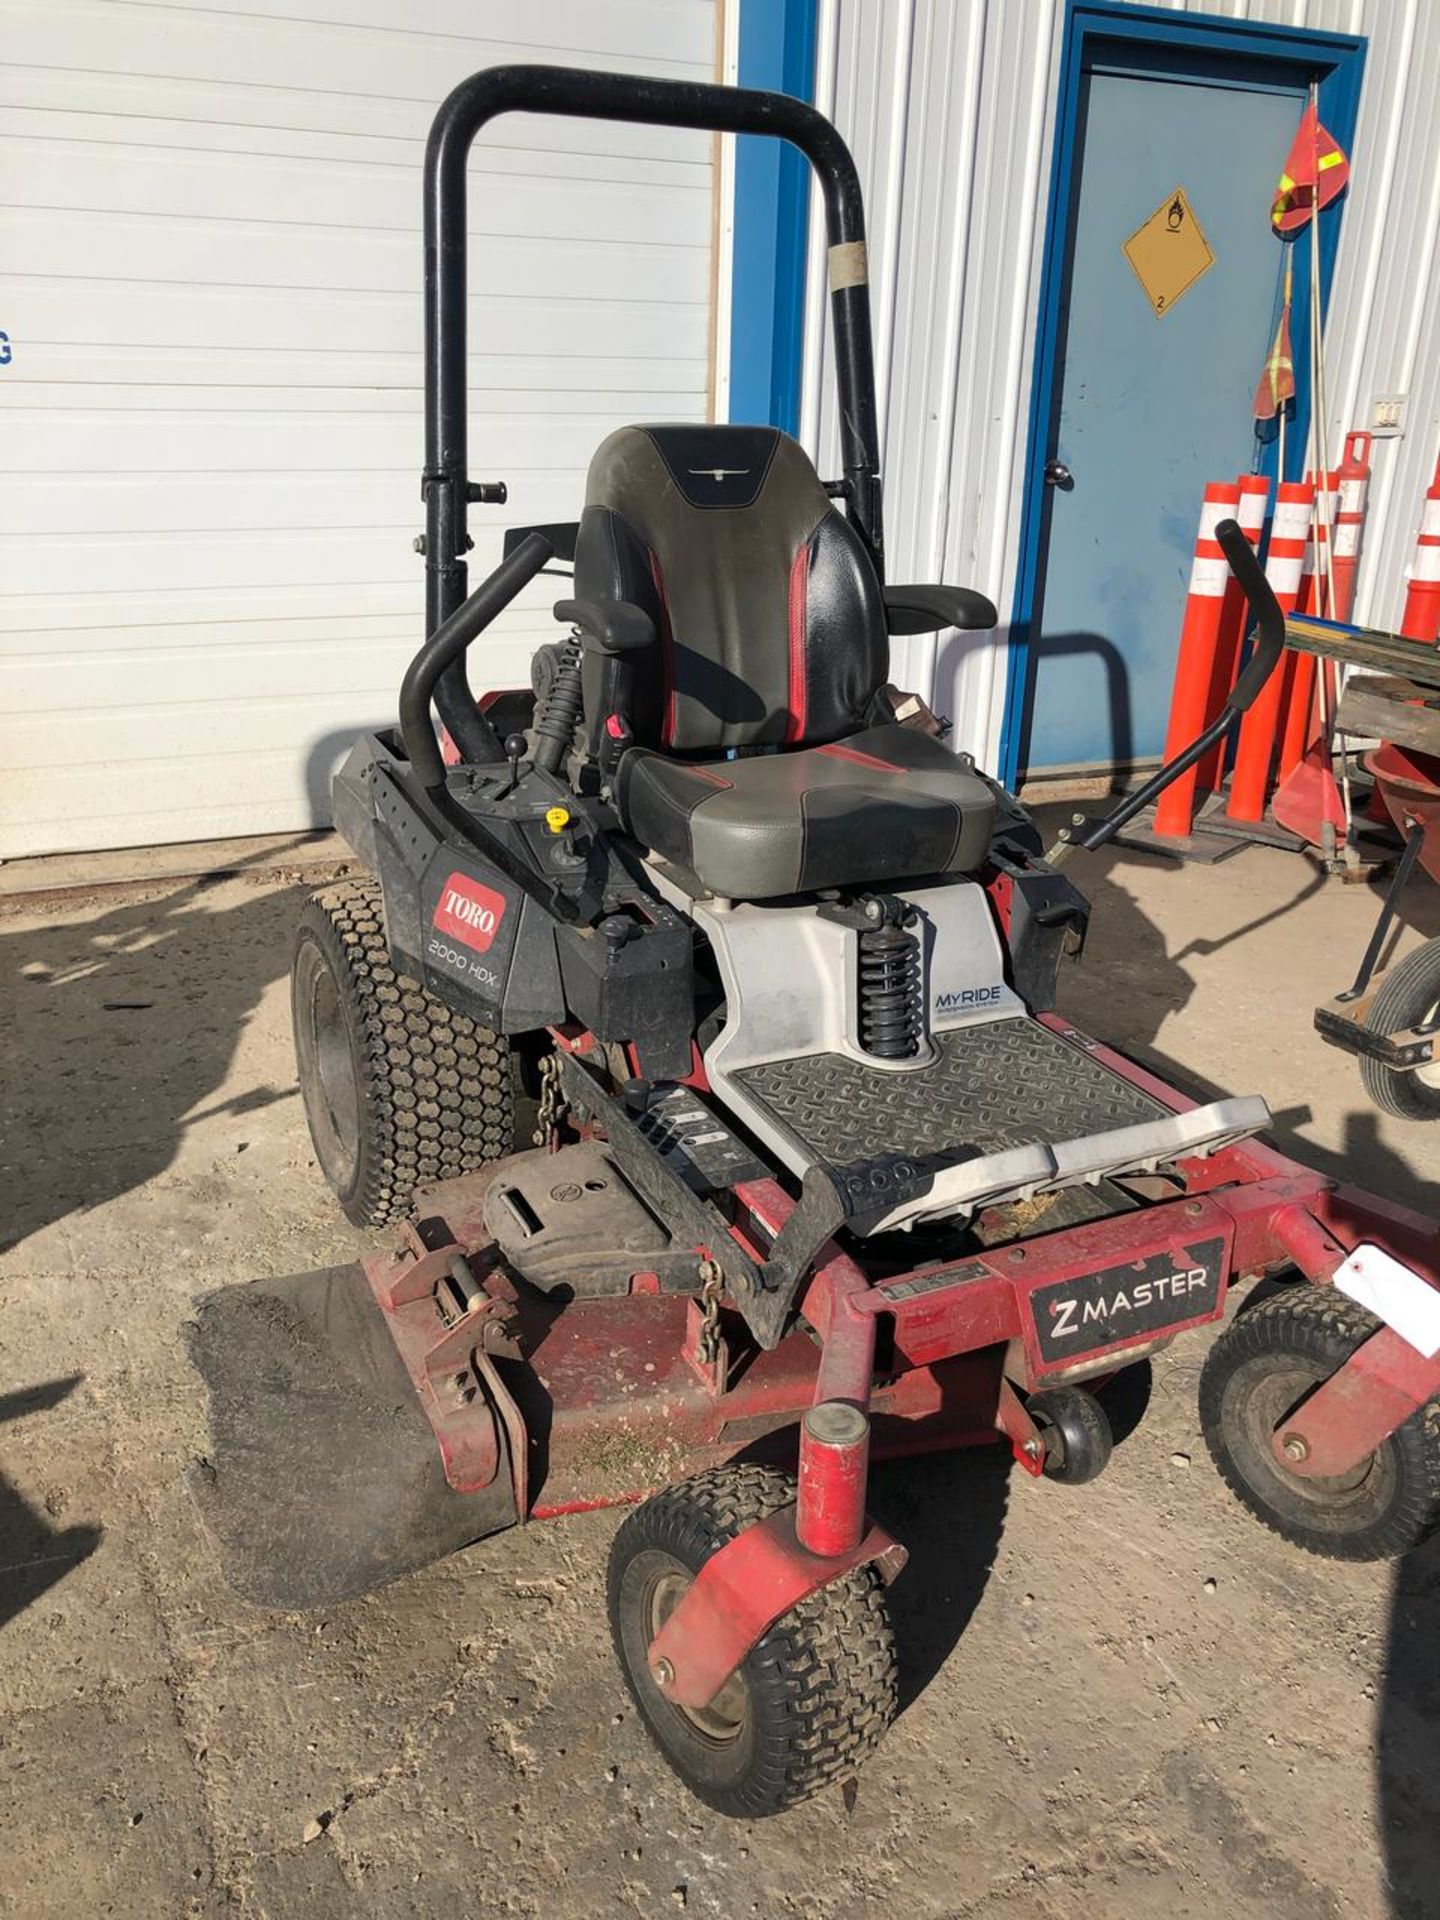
(724, 1719)
(1269, 1405)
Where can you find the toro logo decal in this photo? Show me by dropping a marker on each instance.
(469, 912)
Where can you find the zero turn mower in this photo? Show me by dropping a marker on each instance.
(820, 1176)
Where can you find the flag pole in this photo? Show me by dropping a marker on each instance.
(1324, 585)
(1285, 299)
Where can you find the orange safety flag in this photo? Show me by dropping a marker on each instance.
(1277, 382)
(1313, 175)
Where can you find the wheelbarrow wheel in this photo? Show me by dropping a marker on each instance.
(815, 1694)
(1409, 997)
(399, 1089)
(1260, 1370)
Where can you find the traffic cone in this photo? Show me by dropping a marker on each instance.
(1352, 493)
(1283, 565)
(1422, 602)
(1195, 660)
(1254, 504)
(1349, 486)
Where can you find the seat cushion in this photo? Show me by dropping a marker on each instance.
(887, 804)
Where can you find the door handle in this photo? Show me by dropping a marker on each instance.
(1057, 474)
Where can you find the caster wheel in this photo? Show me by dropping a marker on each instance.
(1410, 997)
(1076, 1431)
(1262, 1368)
(814, 1695)
(399, 1090)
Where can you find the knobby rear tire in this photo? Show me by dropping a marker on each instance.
(400, 1090)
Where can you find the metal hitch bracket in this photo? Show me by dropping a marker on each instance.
(1383, 1382)
(740, 1592)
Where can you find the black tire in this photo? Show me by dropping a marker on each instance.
(399, 1089)
(1407, 998)
(1076, 1431)
(1259, 1370)
(815, 1694)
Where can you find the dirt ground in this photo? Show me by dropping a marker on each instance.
(1121, 1699)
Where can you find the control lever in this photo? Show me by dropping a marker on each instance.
(1269, 644)
(515, 745)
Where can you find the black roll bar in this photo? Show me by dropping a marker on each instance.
(576, 93)
(1085, 835)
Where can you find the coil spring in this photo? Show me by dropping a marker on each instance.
(892, 1008)
(558, 709)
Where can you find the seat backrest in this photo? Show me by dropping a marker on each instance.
(769, 621)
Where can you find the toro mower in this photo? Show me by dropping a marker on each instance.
(819, 1174)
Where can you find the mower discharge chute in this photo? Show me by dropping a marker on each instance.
(819, 1174)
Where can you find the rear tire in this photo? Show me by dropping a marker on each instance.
(1408, 997)
(399, 1089)
(1260, 1369)
(814, 1695)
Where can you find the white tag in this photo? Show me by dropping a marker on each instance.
(1375, 1279)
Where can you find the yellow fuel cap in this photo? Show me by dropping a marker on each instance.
(557, 818)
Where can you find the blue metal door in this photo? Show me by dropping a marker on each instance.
(1148, 405)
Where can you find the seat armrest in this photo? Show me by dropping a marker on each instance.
(608, 626)
(927, 609)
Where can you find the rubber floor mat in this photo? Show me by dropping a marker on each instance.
(1005, 1083)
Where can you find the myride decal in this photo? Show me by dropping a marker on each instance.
(968, 999)
(469, 911)
(1130, 1302)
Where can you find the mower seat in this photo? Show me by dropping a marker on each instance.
(766, 759)
(884, 805)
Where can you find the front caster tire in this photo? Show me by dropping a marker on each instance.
(1409, 997)
(399, 1089)
(1261, 1369)
(1077, 1434)
(815, 1694)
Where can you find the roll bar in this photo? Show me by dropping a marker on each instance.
(446, 648)
(1084, 835)
(573, 92)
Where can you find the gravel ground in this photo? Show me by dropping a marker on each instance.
(1120, 1699)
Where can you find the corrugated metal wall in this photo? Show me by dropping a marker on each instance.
(210, 423)
(949, 105)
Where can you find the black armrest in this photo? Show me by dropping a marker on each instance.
(927, 609)
(562, 535)
(609, 626)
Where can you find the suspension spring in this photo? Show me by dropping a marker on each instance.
(892, 986)
(558, 709)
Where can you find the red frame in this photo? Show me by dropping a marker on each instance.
(625, 1395)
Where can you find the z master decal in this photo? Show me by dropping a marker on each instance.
(469, 911)
(1130, 1302)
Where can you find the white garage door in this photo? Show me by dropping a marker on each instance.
(212, 435)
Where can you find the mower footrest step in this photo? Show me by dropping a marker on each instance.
(937, 1190)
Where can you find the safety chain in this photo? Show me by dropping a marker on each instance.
(707, 1343)
(553, 1104)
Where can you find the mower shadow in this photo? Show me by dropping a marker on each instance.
(125, 1024)
(1406, 1780)
(34, 1555)
(949, 1509)
(1127, 989)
